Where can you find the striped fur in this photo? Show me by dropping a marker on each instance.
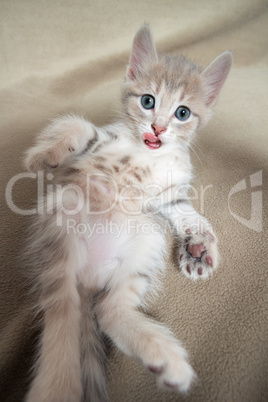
(97, 251)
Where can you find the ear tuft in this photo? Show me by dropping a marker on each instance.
(215, 75)
(143, 52)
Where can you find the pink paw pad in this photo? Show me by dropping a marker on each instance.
(196, 250)
(155, 369)
(200, 271)
(170, 384)
(209, 260)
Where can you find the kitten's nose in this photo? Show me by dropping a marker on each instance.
(158, 130)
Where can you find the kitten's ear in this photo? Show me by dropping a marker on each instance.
(143, 51)
(215, 75)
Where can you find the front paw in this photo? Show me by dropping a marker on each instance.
(198, 254)
(50, 157)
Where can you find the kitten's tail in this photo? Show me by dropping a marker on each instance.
(93, 353)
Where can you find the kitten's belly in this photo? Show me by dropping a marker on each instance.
(115, 248)
(104, 241)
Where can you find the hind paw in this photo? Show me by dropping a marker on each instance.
(171, 369)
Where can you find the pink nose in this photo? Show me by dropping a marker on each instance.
(158, 130)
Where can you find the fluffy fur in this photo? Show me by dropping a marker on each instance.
(100, 242)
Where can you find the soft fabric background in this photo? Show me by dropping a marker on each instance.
(70, 56)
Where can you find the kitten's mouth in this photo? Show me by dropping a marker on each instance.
(151, 141)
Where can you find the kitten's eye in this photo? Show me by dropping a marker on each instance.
(147, 101)
(182, 113)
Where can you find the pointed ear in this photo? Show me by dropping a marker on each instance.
(215, 75)
(143, 51)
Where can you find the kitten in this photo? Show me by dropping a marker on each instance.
(100, 243)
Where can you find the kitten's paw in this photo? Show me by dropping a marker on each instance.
(172, 370)
(40, 157)
(198, 254)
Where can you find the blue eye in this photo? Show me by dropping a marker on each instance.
(147, 101)
(182, 113)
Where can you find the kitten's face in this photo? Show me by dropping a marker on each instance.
(166, 103)
(168, 99)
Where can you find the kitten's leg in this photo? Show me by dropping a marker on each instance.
(140, 258)
(65, 137)
(140, 337)
(197, 252)
(56, 256)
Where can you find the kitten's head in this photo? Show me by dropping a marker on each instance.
(168, 98)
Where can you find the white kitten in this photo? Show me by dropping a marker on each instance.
(97, 249)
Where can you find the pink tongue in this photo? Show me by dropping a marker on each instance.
(150, 137)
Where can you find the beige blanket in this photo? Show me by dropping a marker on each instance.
(70, 56)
